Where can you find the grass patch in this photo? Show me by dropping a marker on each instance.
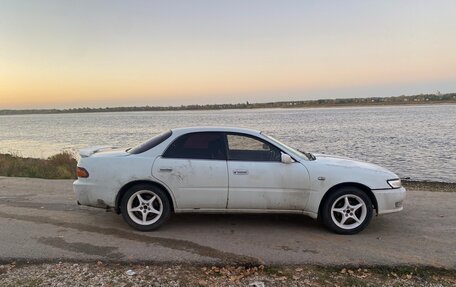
(271, 270)
(59, 166)
(29, 282)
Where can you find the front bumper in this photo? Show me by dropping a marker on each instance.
(390, 200)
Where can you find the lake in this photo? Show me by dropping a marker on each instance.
(414, 141)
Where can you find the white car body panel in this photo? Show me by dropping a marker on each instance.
(196, 183)
(211, 186)
(100, 190)
(267, 185)
(336, 170)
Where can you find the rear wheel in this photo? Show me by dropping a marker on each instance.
(145, 207)
(348, 210)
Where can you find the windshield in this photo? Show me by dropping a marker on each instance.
(153, 142)
(301, 154)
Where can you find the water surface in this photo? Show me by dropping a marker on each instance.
(415, 141)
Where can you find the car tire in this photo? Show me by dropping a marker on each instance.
(347, 210)
(145, 207)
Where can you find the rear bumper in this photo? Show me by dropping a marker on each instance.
(390, 200)
(82, 191)
(92, 195)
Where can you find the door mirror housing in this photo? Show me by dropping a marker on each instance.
(285, 158)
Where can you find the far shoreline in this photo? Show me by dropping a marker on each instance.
(415, 100)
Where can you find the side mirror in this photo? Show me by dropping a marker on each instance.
(285, 158)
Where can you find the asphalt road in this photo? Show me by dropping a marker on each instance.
(40, 221)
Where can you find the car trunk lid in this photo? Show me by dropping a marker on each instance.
(87, 152)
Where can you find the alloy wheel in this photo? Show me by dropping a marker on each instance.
(348, 211)
(145, 207)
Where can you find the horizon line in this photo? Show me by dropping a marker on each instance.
(233, 103)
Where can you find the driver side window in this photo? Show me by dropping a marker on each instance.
(248, 148)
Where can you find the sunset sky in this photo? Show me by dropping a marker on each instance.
(59, 54)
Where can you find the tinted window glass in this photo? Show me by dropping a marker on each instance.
(153, 142)
(198, 146)
(247, 148)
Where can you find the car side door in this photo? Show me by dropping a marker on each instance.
(194, 168)
(259, 180)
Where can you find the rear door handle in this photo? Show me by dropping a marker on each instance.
(167, 169)
(240, 171)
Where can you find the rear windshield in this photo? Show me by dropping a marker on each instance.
(153, 142)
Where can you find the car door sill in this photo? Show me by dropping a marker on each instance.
(251, 211)
(201, 210)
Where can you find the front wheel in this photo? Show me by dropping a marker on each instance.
(348, 210)
(145, 207)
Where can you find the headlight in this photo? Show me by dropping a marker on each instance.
(394, 183)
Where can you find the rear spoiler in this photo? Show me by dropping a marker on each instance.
(86, 152)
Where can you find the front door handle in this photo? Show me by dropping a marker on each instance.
(166, 169)
(240, 171)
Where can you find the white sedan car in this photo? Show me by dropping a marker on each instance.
(219, 169)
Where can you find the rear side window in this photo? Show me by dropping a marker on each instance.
(153, 142)
(206, 145)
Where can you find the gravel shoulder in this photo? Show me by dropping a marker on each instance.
(430, 186)
(102, 274)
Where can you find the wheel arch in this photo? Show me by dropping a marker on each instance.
(363, 187)
(129, 185)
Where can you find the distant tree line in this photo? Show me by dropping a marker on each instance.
(399, 100)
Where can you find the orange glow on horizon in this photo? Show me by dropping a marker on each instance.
(151, 54)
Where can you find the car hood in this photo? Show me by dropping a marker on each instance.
(346, 162)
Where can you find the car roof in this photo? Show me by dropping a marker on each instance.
(214, 129)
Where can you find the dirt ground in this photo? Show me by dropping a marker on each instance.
(102, 274)
(41, 225)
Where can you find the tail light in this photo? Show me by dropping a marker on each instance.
(82, 172)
